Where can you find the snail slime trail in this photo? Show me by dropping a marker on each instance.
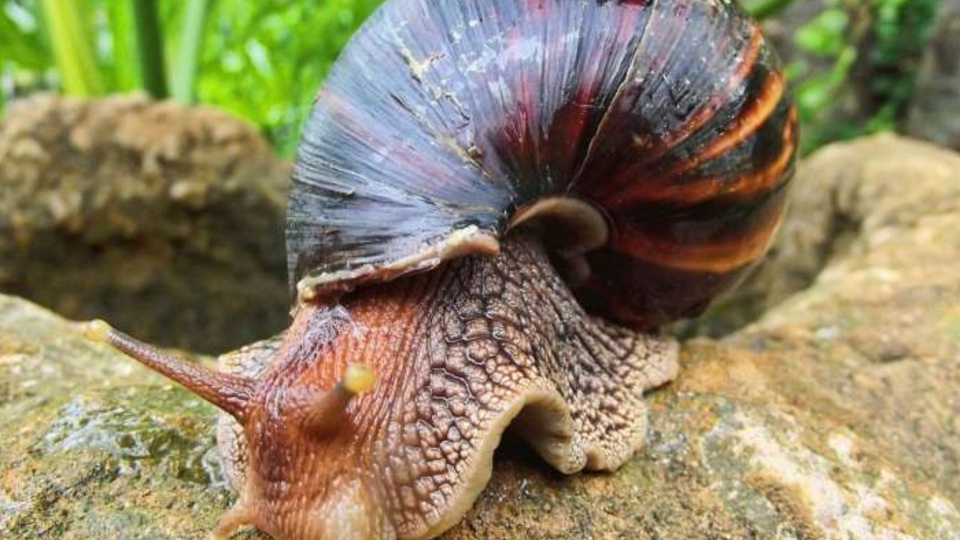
(494, 207)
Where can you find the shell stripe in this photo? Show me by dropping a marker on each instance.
(711, 188)
(726, 253)
(645, 152)
(748, 123)
(588, 93)
(711, 109)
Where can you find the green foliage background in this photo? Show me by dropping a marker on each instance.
(265, 59)
(872, 48)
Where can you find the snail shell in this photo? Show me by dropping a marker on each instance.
(652, 141)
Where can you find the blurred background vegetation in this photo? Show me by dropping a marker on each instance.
(262, 60)
(853, 62)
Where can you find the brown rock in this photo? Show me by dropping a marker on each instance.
(166, 220)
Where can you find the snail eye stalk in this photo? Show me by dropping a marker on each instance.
(230, 393)
(326, 410)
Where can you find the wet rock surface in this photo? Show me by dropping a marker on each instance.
(833, 415)
(166, 220)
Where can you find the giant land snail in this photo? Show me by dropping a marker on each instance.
(495, 205)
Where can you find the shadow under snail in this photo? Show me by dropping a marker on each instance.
(495, 205)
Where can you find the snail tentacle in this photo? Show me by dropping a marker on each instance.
(231, 394)
(326, 409)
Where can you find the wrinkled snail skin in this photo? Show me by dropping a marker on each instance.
(494, 202)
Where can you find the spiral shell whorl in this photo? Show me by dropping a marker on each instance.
(443, 120)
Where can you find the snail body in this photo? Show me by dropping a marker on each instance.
(495, 204)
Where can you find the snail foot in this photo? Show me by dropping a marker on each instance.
(231, 522)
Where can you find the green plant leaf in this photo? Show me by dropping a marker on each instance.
(265, 60)
(149, 39)
(20, 45)
(824, 35)
(126, 66)
(764, 9)
(190, 50)
(73, 48)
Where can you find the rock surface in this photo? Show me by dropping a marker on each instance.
(835, 415)
(131, 210)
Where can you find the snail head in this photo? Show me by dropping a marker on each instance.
(301, 471)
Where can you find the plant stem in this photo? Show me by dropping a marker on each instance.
(764, 9)
(126, 65)
(191, 46)
(72, 48)
(150, 47)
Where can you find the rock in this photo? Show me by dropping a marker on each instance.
(834, 415)
(92, 446)
(933, 111)
(166, 220)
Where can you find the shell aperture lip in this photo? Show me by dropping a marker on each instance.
(461, 242)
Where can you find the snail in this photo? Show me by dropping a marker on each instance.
(496, 204)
